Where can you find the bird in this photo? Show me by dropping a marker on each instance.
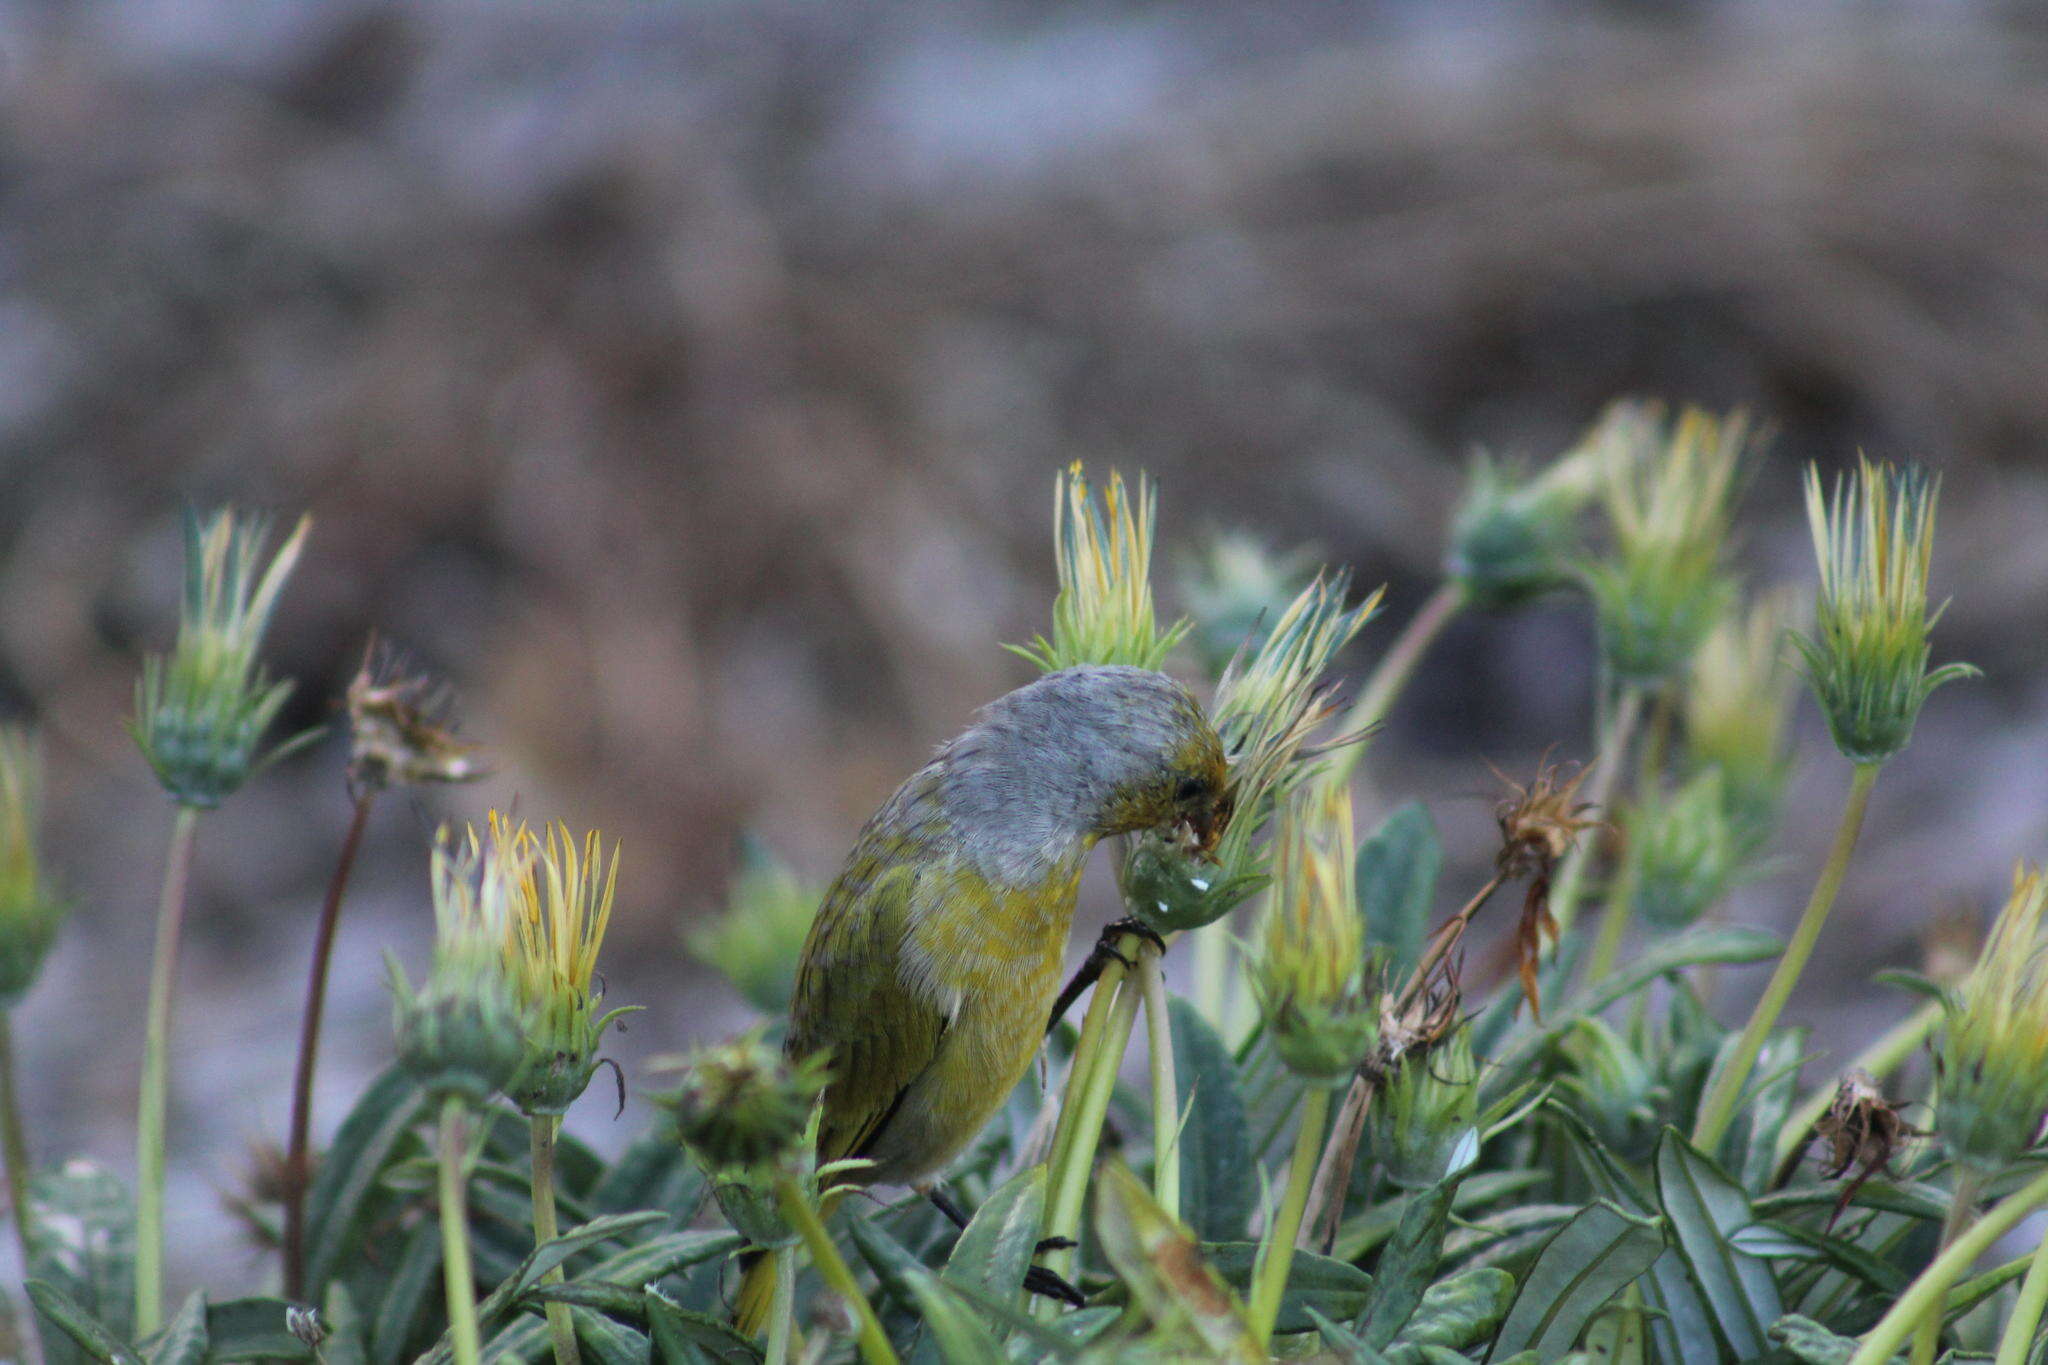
(932, 962)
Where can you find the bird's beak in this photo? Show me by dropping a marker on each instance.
(1208, 824)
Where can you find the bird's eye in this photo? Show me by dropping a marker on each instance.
(1190, 788)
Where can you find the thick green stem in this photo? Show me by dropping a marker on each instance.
(153, 1105)
(542, 1130)
(1090, 1082)
(1880, 1059)
(1932, 1286)
(1165, 1102)
(1719, 1109)
(457, 1279)
(2018, 1341)
(14, 1142)
(1276, 1252)
(874, 1344)
(1962, 1206)
(1395, 668)
(1615, 738)
(782, 1307)
(298, 1157)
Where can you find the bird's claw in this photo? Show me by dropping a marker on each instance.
(1038, 1280)
(1046, 1244)
(1116, 929)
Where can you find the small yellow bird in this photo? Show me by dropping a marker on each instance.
(930, 969)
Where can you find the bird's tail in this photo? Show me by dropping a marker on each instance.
(757, 1294)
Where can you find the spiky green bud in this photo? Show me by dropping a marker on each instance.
(1515, 537)
(464, 1032)
(1235, 591)
(1867, 657)
(1104, 613)
(1668, 494)
(1612, 1086)
(201, 711)
(1992, 1059)
(1680, 852)
(1738, 711)
(756, 943)
(29, 911)
(1422, 1120)
(1315, 982)
(743, 1105)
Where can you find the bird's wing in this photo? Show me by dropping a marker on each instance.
(851, 998)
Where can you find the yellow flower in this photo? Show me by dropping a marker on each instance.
(561, 903)
(29, 912)
(1312, 974)
(1867, 658)
(1993, 1059)
(1104, 612)
(200, 712)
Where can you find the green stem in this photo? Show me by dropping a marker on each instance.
(1090, 1083)
(1276, 1252)
(153, 1105)
(298, 1157)
(1212, 973)
(1165, 1102)
(1395, 668)
(1086, 1049)
(1962, 1204)
(457, 1279)
(874, 1345)
(2020, 1328)
(1884, 1340)
(1615, 738)
(560, 1329)
(782, 1308)
(1719, 1109)
(1880, 1059)
(14, 1142)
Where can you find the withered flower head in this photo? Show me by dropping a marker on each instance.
(1539, 824)
(399, 729)
(1863, 1130)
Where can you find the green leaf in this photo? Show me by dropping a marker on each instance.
(1840, 1252)
(415, 1279)
(1778, 1062)
(1704, 1209)
(1362, 1232)
(59, 1310)
(1585, 1264)
(183, 1340)
(1728, 944)
(1461, 1311)
(654, 1172)
(1405, 1269)
(252, 1329)
(677, 1331)
(85, 1248)
(349, 1169)
(1347, 1346)
(1913, 1199)
(623, 1302)
(954, 1328)
(1337, 1290)
(996, 1246)
(1218, 1178)
(1397, 874)
(608, 1342)
(344, 1327)
(1806, 1340)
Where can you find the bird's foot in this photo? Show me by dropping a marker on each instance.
(1045, 1284)
(1046, 1244)
(944, 1203)
(1107, 949)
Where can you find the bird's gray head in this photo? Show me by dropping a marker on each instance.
(1075, 756)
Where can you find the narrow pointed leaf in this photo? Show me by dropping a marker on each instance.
(1580, 1269)
(996, 1246)
(64, 1313)
(183, 1340)
(1397, 875)
(607, 1342)
(1704, 1209)
(677, 1331)
(414, 1281)
(1218, 1178)
(348, 1172)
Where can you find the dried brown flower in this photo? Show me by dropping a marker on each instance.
(1863, 1130)
(398, 727)
(1539, 824)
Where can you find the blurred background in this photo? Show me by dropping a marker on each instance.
(685, 382)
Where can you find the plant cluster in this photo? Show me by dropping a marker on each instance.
(1357, 1134)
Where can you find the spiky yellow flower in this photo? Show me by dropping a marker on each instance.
(200, 712)
(29, 911)
(1104, 612)
(1314, 979)
(463, 1033)
(1867, 658)
(1738, 711)
(561, 904)
(1668, 495)
(1993, 1059)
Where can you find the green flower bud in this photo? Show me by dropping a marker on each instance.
(1315, 982)
(1867, 658)
(1235, 591)
(1738, 711)
(757, 941)
(561, 903)
(743, 1105)
(464, 1032)
(201, 711)
(1668, 496)
(1992, 1060)
(1172, 890)
(1513, 537)
(1104, 613)
(1680, 856)
(29, 911)
(1422, 1121)
(1614, 1089)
